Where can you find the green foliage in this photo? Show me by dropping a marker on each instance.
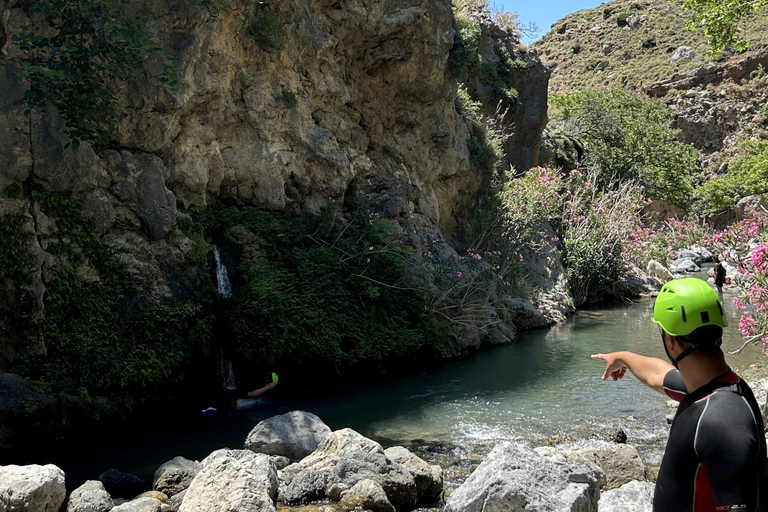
(321, 296)
(626, 137)
(94, 48)
(719, 19)
(214, 6)
(482, 155)
(289, 97)
(40, 386)
(97, 343)
(263, 29)
(13, 191)
(748, 176)
(500, 76)
(14, 246)
(464, 55)
(30, 406)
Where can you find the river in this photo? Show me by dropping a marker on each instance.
(543, 388)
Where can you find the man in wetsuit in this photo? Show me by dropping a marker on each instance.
(715, 455)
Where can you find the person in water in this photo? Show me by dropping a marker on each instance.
(230, 395)
(716, 454)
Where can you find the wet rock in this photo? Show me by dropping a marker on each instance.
(684, 265)
(33, 488)
(174, 476)
(515, 478)
(631, 497)
(694, 256)
(620, 462)
(122, 485)
(368, 495)
(233, 480)
(620, 437)
(90, 497)
(295, 435)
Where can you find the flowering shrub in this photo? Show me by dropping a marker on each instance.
(644, 242)
(746, 244)
(590, 224)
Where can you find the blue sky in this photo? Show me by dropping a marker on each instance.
(543, 12)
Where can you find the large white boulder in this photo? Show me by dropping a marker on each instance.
(31, 488)
(233, 480)
(295, 435)
(620, 462)
(514, 478)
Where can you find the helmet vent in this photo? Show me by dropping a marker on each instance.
(705, 317)
(682, 310)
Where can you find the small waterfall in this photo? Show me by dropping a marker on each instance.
(226, 373)
(222, 278)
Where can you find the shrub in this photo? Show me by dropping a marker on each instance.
(626, 138)
(263, 29)
(289, 97)
(500, 76)
(464, 54)
(95, 49)
(748, 176)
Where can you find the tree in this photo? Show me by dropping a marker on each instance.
(719, 20)
(627, 138)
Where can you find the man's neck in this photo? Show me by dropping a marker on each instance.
(699, 369)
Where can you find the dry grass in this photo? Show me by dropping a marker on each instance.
(638, 56)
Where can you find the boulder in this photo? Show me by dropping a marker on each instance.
(620, 462)
(140, 505)
(174, 476)
(122, 485)
(159, 496)
(233, 480)
(342, 460)
(550, 452)
(31, 488)
(368, 495)
(704, 255)
(631, 497)
(694, 256)
(684, 265)
(428, 478)
(90, 497)
(683, 52)
(514, 478)
(295, 435)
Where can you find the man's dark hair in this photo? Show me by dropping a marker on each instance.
(706, 337)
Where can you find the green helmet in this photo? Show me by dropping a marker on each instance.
(684, 305)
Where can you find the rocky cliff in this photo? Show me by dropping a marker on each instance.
(356, 95)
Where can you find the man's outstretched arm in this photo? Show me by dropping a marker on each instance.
(648, 370)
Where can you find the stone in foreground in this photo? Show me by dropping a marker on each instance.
(31, 488)
(632, 497)
(295, 435)
(514, 478)
(90, 497)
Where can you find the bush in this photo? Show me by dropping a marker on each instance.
(748, 176)
(500, 76)
(464, 54)
(263, 29)
(627, 138)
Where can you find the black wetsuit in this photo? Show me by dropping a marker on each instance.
(715, 456)
(228, 400)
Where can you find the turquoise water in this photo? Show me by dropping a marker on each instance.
(543, 385)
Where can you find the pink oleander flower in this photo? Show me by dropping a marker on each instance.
(458, 274)
(753, 229)
(747, 325)
(737, 303)
(758, 256)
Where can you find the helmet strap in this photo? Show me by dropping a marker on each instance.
(685, 354)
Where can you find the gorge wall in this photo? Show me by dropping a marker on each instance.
(359, 97)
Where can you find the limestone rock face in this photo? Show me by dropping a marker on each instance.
(428, 478)
(175, 475)
(514, 478)
(90, 497)
(233, 480)
(368, 495)
(38, 488)
(295, 435)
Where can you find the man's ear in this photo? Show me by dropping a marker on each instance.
(671, 342)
